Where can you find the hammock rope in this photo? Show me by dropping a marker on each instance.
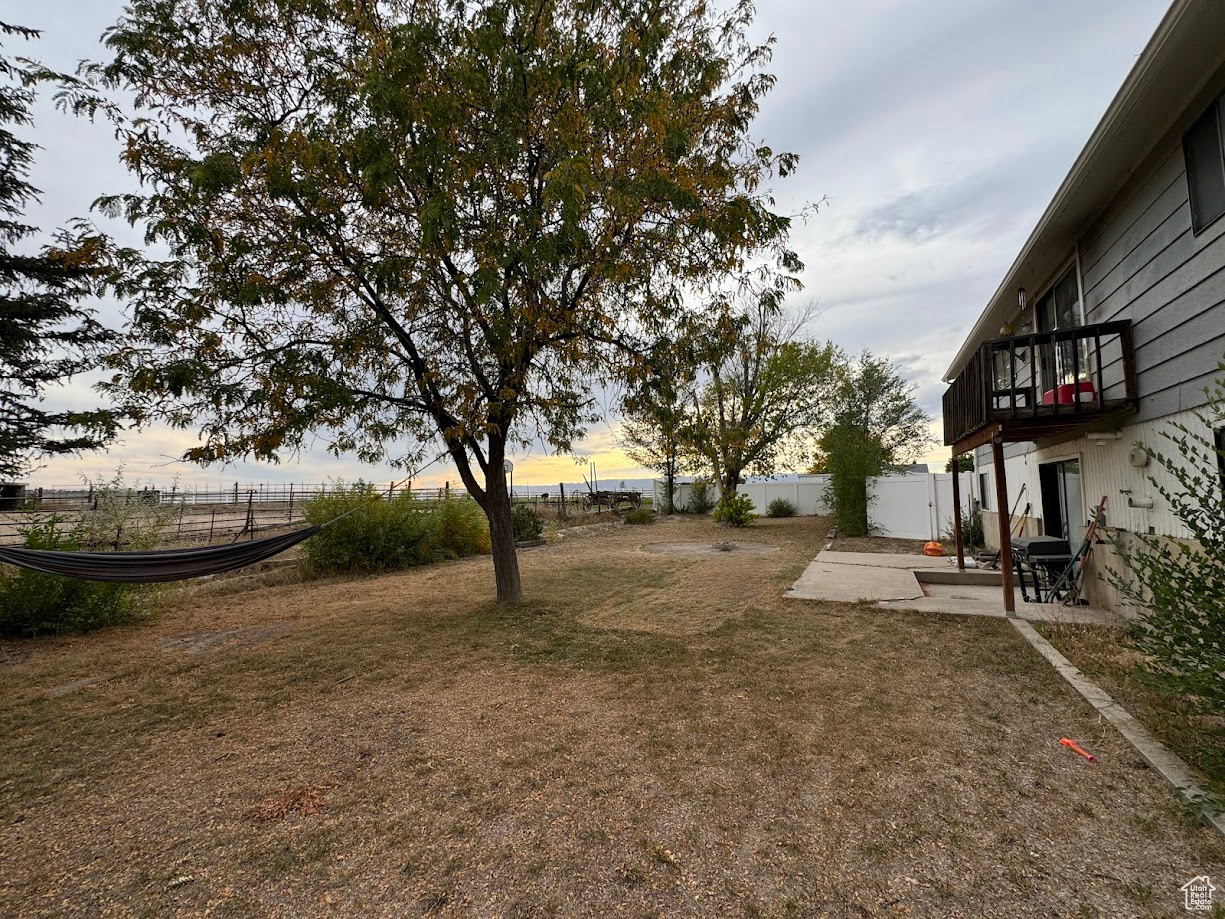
(159, 565)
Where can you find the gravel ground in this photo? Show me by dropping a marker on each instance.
(650, 735)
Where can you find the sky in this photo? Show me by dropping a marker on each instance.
(934, 132)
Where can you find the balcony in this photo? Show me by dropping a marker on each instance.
(1044, 387)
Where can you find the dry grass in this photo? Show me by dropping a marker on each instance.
(1106, 657)
(650, 735)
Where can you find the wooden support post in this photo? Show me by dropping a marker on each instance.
(1001, 503)
(961, 551)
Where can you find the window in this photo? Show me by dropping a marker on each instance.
(1202, 147)
(1220, 455)
(984, 492)
(1058, 309)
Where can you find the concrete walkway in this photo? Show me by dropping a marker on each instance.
(913, 582)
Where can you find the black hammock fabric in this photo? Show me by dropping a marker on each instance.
(154, 565)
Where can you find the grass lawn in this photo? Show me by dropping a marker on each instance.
(651, 735)
(1106, 658)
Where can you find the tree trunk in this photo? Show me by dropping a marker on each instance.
(731, 481)
(502, 536)
(670, 485)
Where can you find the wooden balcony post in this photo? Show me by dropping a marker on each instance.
(961, 552)
(1001, 501)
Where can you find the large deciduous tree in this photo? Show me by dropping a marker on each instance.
(428, 220)
(46, 334)
(766, 392)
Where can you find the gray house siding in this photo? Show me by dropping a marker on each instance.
(1140, 261)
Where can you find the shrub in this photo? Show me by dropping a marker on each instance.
(735, 510)
(701, 497)
(386, 535)
(458, 528)
(781, 507)
(33, 603)
(638, 516)
(852, 457)
(971, 528)
(120, 517)
(526, 522)
(1178, 585)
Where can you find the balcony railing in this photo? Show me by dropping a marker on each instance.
(1043, 384)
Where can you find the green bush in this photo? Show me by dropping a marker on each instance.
(971, 529)
(1177, 586)
(735, 510)
(638, 516)
(526, 522)
(458, 528)
(33, 603)
(386, 535)
(701, 497)
(781, 507)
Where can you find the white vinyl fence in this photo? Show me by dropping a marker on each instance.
(912, 506)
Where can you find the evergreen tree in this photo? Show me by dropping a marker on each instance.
(46, 336)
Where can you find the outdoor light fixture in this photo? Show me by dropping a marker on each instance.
(1006, 328)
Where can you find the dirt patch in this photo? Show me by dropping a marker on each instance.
(297, 799)
(716, 549)
(204, 642)
(83, 683)
(13, 652)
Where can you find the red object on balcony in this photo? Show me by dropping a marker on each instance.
(1066, 393)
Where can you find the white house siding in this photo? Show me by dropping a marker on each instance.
(1105, 469)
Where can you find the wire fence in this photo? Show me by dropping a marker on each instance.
(211, 515)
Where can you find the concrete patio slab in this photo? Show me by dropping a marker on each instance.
(852, 583)
(994, 609)
(893, 582)
(885, 560)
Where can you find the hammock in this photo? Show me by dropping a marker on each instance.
(156, 564)
(171, 564)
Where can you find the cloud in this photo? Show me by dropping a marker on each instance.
(938, 131)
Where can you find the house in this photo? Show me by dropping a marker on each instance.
(1111, 321)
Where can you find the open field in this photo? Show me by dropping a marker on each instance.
(652, 734)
